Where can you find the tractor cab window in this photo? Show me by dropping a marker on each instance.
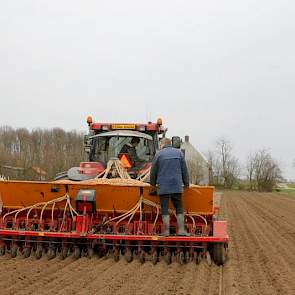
(105, 148)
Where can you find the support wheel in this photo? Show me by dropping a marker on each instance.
(116, 255)
(168, 258)
(51, 253)
(219, 253)
(13, 251)
(38, 252)
(128, 255)
(2, 250)
(142, 257)
(77, 252)
(154, 257)
(27, 252)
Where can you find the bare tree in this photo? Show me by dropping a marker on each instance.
(210, 167)
(229, 164)
(215, 168)
(250, 168)
(224, 168)
(263, 171)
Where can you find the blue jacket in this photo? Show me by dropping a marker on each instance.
(169, 171)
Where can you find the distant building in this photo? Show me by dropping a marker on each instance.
(197, 164)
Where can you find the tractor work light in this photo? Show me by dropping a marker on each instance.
(159, 121)
(89, 120)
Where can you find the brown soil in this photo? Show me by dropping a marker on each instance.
(261, 260)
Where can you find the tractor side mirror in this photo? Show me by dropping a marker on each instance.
(87, 143)
(86, 139)
(176, 142)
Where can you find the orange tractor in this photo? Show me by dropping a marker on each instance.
(103, 207)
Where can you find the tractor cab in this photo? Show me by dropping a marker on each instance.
(108, 141)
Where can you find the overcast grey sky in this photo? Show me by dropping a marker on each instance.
(208, 68)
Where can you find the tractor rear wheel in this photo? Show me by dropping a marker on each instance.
(219, 254)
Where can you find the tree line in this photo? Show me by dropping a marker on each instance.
(39, 153)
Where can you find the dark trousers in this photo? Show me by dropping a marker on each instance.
(176, 201)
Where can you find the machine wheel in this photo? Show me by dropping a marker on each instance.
(128, 255)
(181, 258)
(51, 253)
(27, 252)
(13, 251)
(77, 252)
(168, 257)
(116, 255)
(90, 252)
(2, 250)
(142, 257)
(154, 257)
(219, 254)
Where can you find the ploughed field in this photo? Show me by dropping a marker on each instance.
(261, 260)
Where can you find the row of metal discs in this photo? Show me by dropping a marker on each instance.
(77, 252)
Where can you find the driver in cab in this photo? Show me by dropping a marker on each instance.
(130, 149)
